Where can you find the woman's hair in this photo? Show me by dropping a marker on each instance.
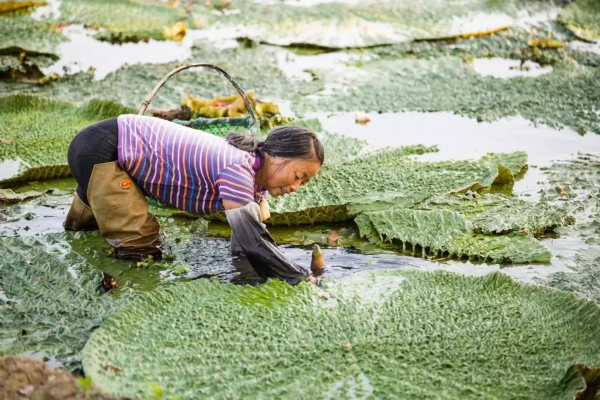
(285, 142)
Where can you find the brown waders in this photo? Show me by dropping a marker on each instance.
(107, 198)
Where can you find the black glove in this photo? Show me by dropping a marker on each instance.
(250, 236)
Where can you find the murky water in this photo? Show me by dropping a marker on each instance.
(506, 68)
(51, 10)
(82, 51)
(461, 138)
(9, 168)
(208, 253)
(583, 46)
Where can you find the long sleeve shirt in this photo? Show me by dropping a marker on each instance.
(186, 168)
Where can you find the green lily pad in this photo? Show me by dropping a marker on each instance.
(363, 24)
(497, 214)
(21, 33)
(41, 130)
(451, 84)
(123, 20)
(51, 300)
(447, 233)
(431, 335)
(584, 278)
(582, 17)
(579, 182)
(387, 174)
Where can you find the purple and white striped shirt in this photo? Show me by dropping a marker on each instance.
(186, 168)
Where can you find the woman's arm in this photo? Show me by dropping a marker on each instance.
(250, 236)
(263, 205)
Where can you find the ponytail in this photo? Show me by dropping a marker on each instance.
(243, 141)
(286, 142)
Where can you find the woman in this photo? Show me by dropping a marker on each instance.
(119, 161)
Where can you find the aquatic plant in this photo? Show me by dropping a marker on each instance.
(41, 130)
(584, 277)
(50, 298)
(582, 17)
(364, 24)
(430, 335)
(448, 233)
(124, 20)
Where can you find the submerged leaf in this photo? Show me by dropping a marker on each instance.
(8, 196)
(585, 277)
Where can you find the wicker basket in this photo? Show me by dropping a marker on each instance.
(216, 126)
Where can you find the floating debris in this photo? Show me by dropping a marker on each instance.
(561, 191)
(546, 44)
(8, 196)
(176, 32)
(333, 237)
(362, 118)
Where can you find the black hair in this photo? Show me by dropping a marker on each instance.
(285, 141)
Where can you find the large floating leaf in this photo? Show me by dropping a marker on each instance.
(21, 33)
(575, 184)
(582, 17)
(584, 280)
(363, 24)
(41, 130)
(50, 300)
(447, 233)
(433, 335)
(451, 84)
(387, 174)
(123, 20)
(496, 214)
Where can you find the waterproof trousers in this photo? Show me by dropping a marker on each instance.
(107, 198)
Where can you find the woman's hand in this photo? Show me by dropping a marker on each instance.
(265, 212)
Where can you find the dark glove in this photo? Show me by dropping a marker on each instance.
(250, 236)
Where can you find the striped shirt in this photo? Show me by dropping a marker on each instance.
(186, 168)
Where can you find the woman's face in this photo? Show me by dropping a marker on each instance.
(281, 176)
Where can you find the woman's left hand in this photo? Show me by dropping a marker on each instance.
(265, 212)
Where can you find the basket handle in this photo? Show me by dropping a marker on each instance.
(240, 91)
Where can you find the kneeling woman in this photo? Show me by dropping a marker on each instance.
(119, 161)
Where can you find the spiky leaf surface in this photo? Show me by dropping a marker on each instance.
(123, 20)
(21, 33)
(584, 280)
(369, 23)
(383, 175)
(41, 130)
(432, 335)
(496, 214)
(579, 182)
(447, 233)
(51, 300)
(582, 17)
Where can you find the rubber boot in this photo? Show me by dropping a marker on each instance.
(80, 217)
(120, 208)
